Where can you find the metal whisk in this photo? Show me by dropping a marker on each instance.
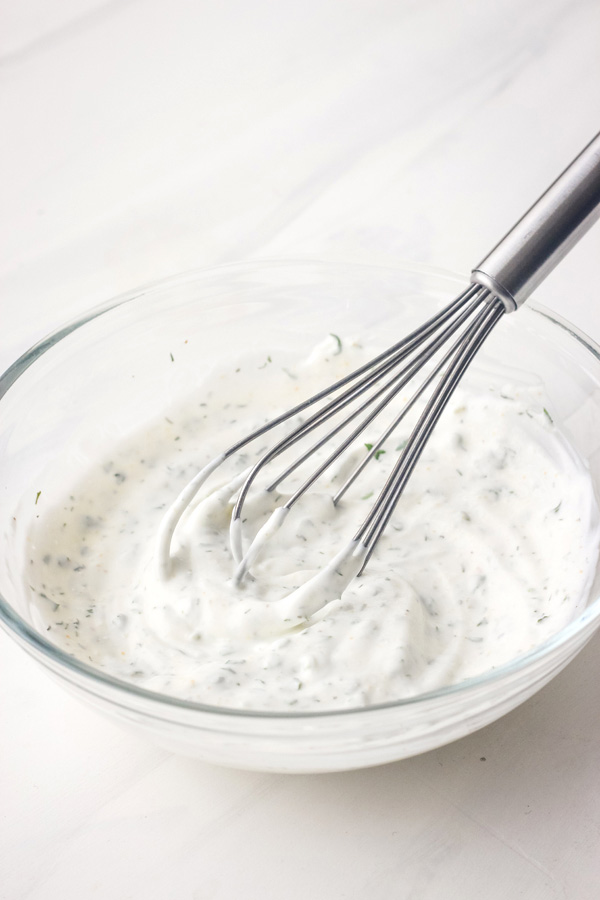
(499, 284)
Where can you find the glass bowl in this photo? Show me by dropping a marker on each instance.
(112, 369)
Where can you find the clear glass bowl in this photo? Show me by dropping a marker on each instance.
(112, 370)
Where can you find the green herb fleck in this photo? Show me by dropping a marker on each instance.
(339, 343)
(37, 497)
(366, 497)
(402, 444)
(548, 416)
(377, 453)
(556, 508)
(172, 357)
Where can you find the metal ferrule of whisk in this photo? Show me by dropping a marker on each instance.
(500, 283)
(546, 233)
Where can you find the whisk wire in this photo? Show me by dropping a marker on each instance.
(409, 403)
(462, 352)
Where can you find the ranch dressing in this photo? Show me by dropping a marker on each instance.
(491, 550)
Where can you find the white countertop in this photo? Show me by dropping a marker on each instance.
(144, 138)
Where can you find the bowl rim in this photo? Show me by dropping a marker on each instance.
(55, 658)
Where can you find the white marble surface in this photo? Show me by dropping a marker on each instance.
(141, 138)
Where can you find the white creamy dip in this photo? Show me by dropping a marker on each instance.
(491, 550)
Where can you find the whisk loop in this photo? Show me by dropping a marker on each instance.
(467, 308)
(357, 399)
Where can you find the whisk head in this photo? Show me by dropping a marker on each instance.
(344, 410)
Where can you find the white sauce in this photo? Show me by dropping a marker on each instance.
(491, 550)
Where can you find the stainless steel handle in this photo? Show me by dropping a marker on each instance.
(546, 233)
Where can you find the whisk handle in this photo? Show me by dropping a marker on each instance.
(546, 233)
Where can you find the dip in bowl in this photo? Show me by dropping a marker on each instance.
(97, 383)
